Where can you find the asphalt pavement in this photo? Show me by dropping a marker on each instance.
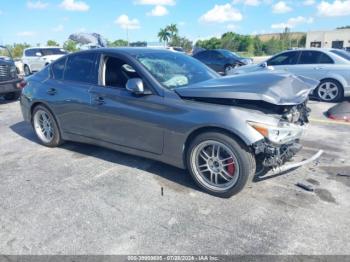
(83, 199)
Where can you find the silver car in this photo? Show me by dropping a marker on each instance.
(329, 66)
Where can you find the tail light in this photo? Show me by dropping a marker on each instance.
(21, 85)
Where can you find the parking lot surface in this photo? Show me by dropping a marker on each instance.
(82, 199)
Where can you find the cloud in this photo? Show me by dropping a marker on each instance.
(37, 5)
(231, 27)
(281, 7)
(309, 2)
(124, 22)
(221, 14)
(181, 23)
(293, 22)
(26, 34)
(158, 10)
(155, 2)
(58, 28)
(336, 8)
(247, 2)
(73, 5)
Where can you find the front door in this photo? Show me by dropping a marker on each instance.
(122, 118)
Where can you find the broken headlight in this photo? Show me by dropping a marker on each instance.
(281, 134)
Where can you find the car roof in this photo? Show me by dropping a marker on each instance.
(133, 51)
(44, 47)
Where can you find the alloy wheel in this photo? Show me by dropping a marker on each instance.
(215, 165)
(43, 126)
(328, 91)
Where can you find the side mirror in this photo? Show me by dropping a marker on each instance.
(38, 54)
(135, 86)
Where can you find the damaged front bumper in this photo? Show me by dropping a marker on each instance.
(274, 157)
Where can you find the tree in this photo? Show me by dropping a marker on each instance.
(164, 35)
(52, 43)
(116, 43)
(71, 46)
(173, 30)
(344, 27)
(183, 42)
(17, 49)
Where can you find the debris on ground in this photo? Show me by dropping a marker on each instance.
(340, 112)
(305, 187)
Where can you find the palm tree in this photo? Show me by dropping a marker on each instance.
(172, 28)
(164, 35)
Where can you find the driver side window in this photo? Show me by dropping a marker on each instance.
(288, 58)
(116, 73)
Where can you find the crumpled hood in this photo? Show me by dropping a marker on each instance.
(273, 87)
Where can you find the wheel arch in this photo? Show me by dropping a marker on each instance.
(207, 129)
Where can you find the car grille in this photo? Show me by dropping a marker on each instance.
(4, 73)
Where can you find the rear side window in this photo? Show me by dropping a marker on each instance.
(288, 58)
(30, 52)
(57, 69)
(81, 68)
(314, 57)
(201, 55)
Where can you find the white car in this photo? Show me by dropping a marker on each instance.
(35, 59)
(329, 66)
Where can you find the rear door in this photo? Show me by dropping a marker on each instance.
(312, 64)
(68, 91)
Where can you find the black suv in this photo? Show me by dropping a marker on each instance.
(10, 83)
(221, 60)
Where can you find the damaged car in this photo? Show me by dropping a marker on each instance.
(170, 107)
(10, 83)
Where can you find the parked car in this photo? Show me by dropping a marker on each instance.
(221, 60)
(329, 66)
(10, 83)
(176, 49)
(35, 59)
(170, 107)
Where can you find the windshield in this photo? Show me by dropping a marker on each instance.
(174, 70)
(5, 53)
(53, 51)
(227, 53)
(342, 54)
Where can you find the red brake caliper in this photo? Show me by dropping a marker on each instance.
(231, 167)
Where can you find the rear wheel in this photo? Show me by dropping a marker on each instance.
(12, 96)
(45, 127)
(329, 90)
(220, 164)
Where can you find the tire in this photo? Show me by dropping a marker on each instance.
(234, 157)
(46, 127)
(228, 68)
(26, 70)
(12, 96)
(329, 90)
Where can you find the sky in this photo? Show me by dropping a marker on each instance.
(36, 21)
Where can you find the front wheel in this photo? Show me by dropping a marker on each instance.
(45, 127)
(220, 164)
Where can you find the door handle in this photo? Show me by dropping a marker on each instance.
(98, 100)
(318, 68)
(52, 91)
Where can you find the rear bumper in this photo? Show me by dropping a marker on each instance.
(347, 91)
(10, 86)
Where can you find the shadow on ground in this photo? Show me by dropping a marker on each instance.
(162, 170)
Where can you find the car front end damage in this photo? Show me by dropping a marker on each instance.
(272, 108)
(282, 141)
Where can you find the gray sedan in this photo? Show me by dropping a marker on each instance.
(329, 66)
(170, 107)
